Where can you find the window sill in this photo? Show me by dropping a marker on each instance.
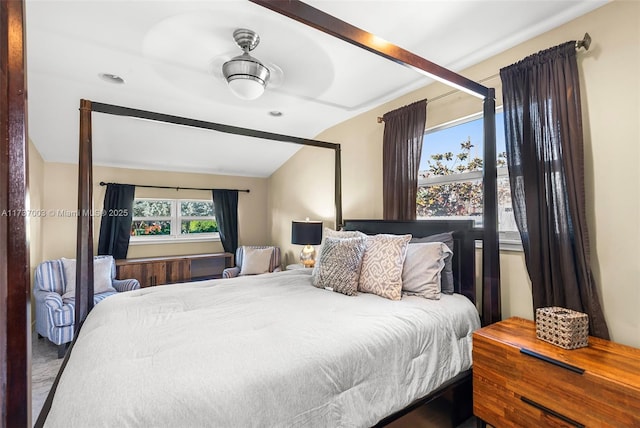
(174, 240)
(506, 245)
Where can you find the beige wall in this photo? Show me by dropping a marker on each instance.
(36, 202)
(60, 196)
(611, 94)
(291, 198)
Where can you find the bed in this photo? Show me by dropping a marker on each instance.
(268, 350)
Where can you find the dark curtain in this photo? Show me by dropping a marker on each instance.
(115, 228)
(401, 150)
(225, 203)
(543, 129)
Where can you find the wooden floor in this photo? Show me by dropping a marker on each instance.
(432, 415)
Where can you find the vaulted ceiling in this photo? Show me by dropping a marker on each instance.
(170, 54)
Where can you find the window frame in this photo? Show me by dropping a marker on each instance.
(176, 219)
(508, 240)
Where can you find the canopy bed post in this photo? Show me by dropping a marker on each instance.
(15, 325)
(491, 310)
(338, 186)
(84, 244)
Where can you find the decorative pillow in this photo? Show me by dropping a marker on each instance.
(339, 265)
(330, 233)
(382, 265)
(447, 273)
(255, 260)
(101, 276)
(422, 269)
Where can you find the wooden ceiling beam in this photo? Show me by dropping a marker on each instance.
(333, 26)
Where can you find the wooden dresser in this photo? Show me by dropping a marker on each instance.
(521, 381)
(152, 271)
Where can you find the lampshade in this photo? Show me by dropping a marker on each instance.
(306, 232)
(247, 76)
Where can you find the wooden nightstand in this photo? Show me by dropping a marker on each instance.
(521, 381)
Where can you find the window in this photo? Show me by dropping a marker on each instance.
(450, 177)
(172, 220)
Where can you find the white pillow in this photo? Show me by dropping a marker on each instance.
(256, 260)
(422, 270)
(382, 265)
(101, 276)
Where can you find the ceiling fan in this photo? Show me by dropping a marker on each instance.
(246, 76)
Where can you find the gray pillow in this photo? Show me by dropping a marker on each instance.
(339, 266)
(447, 273)
(422, 270)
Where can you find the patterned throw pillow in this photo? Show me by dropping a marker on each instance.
(421, 273)
(330, 233)
(339, 265)
(382, 265)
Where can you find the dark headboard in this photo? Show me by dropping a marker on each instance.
(464, 258)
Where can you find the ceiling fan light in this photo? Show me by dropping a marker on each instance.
(247, 76)
(247, 89)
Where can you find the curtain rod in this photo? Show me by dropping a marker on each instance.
(584, 43)
(102, 183)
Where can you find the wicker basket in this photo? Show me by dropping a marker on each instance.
(562, 327)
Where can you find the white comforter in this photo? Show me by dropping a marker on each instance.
(268, 350)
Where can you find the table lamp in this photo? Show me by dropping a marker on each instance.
(307, 233)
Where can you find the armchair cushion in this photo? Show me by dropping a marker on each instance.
(65, 315)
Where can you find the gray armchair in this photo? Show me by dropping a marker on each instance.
(55, 315)
(274, 265)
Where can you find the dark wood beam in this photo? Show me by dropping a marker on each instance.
(228, 129)
(84, 238)
(15, 300)
(236, 130)
(329, 24)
